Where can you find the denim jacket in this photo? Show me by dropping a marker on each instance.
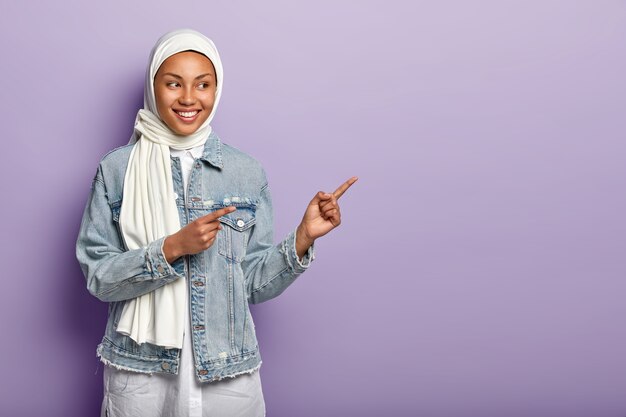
(242, 266)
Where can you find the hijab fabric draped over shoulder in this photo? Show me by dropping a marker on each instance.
(148, 209)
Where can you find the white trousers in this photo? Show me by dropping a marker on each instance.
(131, 394)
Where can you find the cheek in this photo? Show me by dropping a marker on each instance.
(209, 101)
(162, 98)
(160, 103)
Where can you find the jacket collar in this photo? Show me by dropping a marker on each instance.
(212, 152)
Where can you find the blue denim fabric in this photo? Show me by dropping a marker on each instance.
(242, 266)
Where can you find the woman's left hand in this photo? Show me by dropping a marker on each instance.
(321, 216)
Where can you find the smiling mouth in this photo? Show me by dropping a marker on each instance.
(187, 116)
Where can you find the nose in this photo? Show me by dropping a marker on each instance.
(187, 96)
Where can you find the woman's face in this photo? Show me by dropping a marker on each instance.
(184, 89)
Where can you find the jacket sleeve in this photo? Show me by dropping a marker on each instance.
(112, 272)
(269, 269)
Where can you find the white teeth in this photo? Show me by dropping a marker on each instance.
(187, 113)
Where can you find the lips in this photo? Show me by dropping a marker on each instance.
(187, 116)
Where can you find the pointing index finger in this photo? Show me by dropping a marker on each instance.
(218, 213)
(344, 187)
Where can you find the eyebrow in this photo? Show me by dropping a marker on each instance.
(180, 78)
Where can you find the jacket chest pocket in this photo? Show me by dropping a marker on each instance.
(232, 240)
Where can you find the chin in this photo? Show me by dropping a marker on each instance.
(186, 131)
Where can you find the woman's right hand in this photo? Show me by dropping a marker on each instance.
(195, 237)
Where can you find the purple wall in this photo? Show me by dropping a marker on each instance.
(480, 267)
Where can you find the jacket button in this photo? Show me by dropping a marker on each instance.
(165, 365)
(198, 327)
(203, 372)
(240, 223)
(198, 283)
(160, 269)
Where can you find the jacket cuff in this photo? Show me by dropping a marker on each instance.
(288, 248)
(156, 264)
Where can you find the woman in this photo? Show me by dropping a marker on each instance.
(177, 236)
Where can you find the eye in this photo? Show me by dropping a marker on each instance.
(172, 84)
(203, 85)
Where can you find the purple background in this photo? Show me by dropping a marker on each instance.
(479, 269)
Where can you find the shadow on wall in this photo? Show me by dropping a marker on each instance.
(83, 318)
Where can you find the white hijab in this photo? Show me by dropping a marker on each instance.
(148, 209)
